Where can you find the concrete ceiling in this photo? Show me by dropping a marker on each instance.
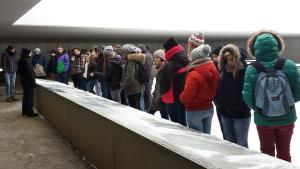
(11, 10)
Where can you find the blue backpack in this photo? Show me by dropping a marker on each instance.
(273, 96)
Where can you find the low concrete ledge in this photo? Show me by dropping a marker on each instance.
(114, 136)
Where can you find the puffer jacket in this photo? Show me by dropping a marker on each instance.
(129, 82)
(267, 52)
(201, 85)
(63, 60)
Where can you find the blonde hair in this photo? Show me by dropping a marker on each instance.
(189, 50)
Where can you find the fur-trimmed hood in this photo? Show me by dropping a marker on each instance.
(236, 53)
(252, 39)
(138, 57)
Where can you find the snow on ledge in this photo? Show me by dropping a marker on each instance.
(205, 150)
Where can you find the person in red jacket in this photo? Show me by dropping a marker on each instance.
(200, 89)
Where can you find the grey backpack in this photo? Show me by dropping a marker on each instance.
(273, 96)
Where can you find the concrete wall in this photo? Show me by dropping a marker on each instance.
(114, 136)
(105, 143)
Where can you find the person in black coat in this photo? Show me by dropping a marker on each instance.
(235, 113)
(51, 68)
(113, 73)
(173, 74)
(25, 69)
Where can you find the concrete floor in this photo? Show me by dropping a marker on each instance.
(31, 143)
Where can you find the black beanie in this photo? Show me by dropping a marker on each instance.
(217, 50)
(25, 52)
(171, 42)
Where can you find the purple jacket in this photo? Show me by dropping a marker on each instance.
(65, 59)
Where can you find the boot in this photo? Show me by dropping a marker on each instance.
(13, 98)
(9, 100)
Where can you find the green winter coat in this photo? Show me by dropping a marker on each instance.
(267, 49)
(129, 83)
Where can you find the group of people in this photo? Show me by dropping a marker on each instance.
(188, 84)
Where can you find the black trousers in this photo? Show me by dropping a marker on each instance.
(27, 102)
(176, 112)
(78, 81)
(134, 101)
(147, 95)
(123, 98)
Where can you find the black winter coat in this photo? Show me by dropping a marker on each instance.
(170, 75)
(113, 74)
(25, 69)
(51, 68)
(229, 97)
(157, 103)
(93, 68)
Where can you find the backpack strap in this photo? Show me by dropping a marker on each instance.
(279, 64)
(258, 66)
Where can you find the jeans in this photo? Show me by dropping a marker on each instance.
(219, 115)
(142, 102)
(116, 95)
(62, 77)
(10, 79)
(278, 137)
(27, 102)
(89, 84)
(98, 88)
(105, 90)
(134, 101)
(176, 112)
(236, 130)
(200, 120)
(147, 95)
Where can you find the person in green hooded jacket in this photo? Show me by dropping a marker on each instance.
(266, 47)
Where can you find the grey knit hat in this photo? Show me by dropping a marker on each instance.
(129, 48)
(108, 50)
(201, 52)
(159, 53)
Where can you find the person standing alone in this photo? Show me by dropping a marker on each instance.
(25, 69)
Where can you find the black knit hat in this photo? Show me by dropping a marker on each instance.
(217, 50)
(25, 52)
(171, 42)
(9, 48)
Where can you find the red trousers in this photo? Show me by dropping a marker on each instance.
(278, 137)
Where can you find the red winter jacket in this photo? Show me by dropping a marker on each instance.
(200, 87)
